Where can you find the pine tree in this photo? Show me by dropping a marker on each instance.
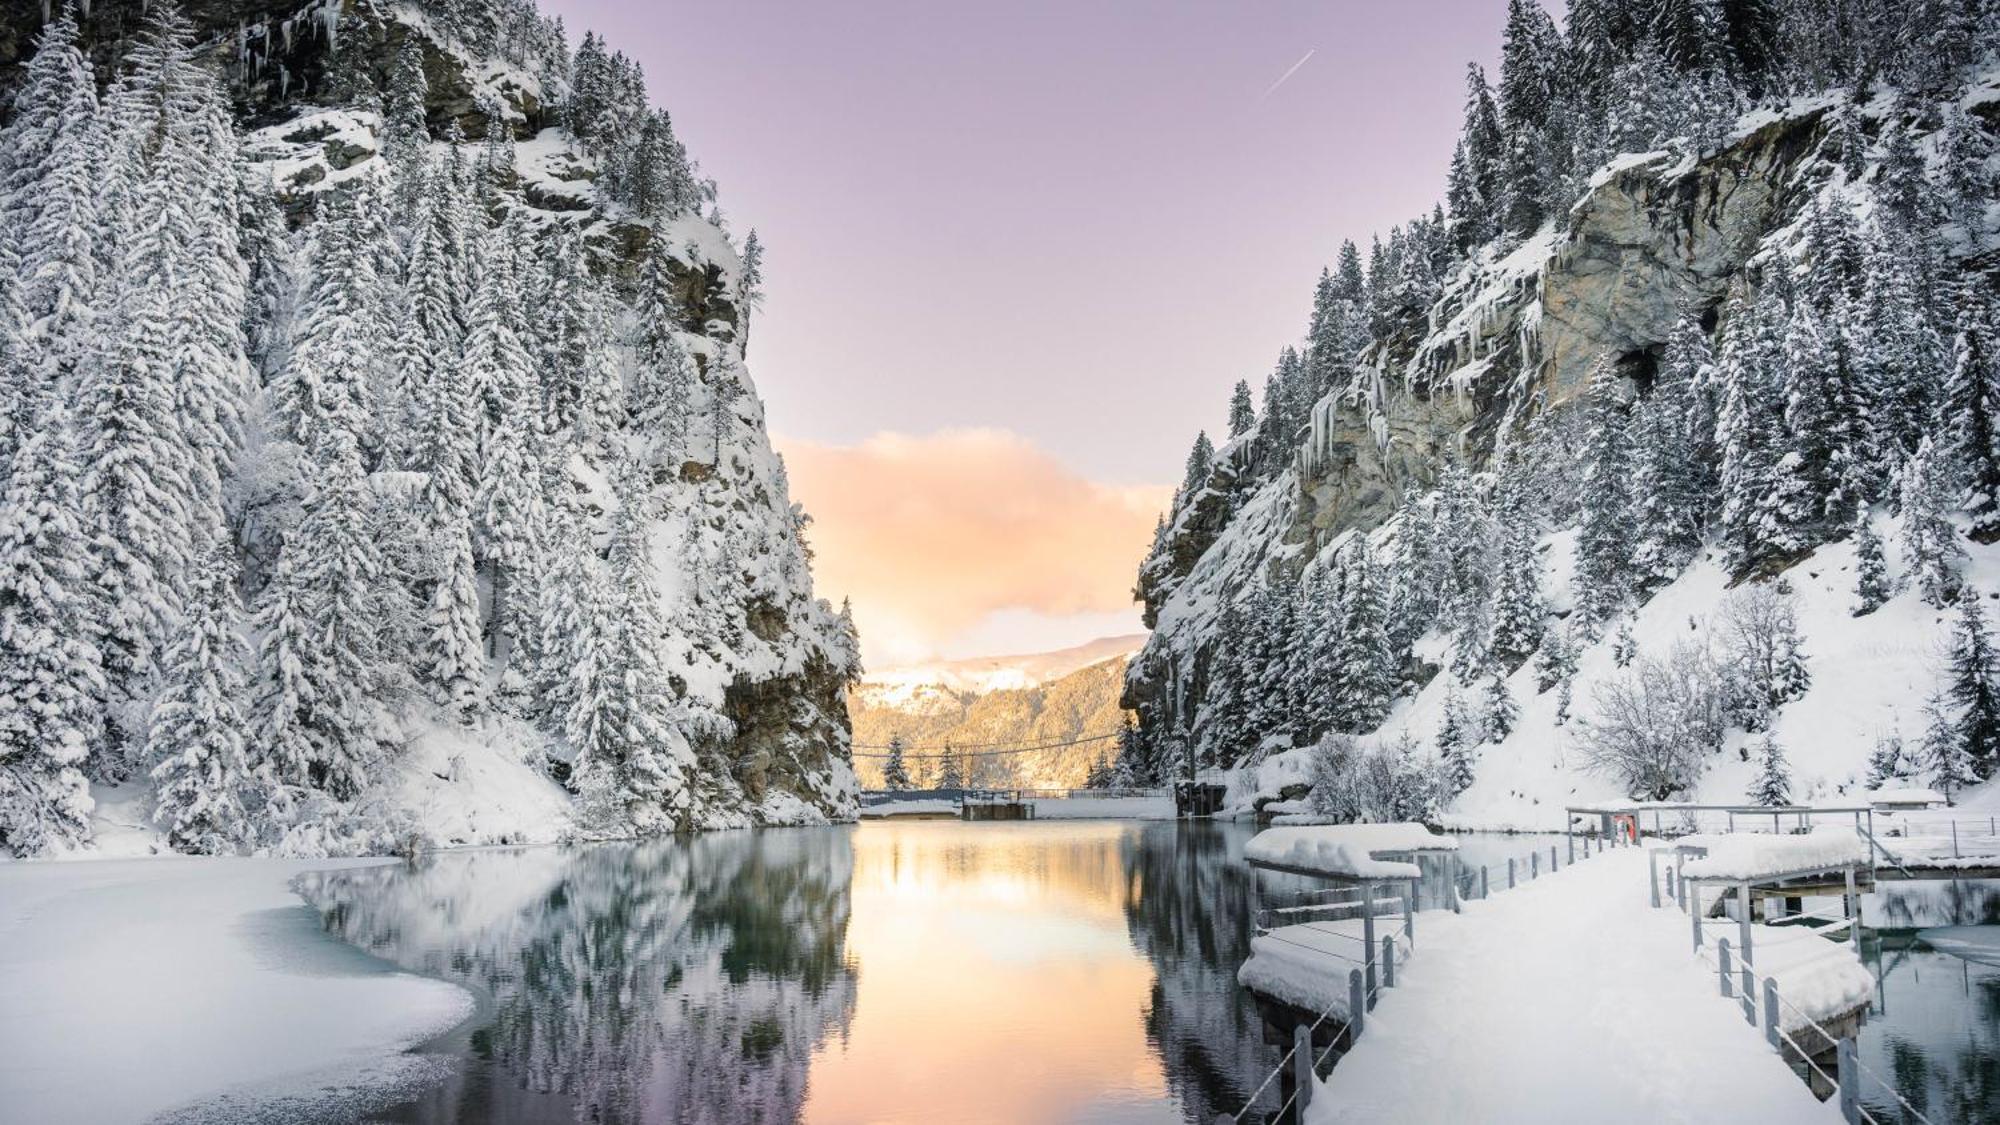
(1530, 74)
(1760, 488)
(1945, 758)
(1931, 550)
(1456, 743)
(951, 772)
(895, 776)
(51, 678)
(205, 789)
(1477, 189)
(1200, 463)
(1887, 762)
(1502, 713)
(1973, 689)
(340, 599)
(405, 125)
(1824, 416)
(1872, 587)
(1367, 664)
(1242, 415)
(452, 663)
(1972, 409)
(1603, 543)
(1518, 611)
(1772, 786)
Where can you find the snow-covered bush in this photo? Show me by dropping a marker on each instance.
(1657, 722)
(1764, 655)
(1352, 783)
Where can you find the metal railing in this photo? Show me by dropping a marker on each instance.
(1364, 989)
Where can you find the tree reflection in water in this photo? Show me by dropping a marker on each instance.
(684, 980)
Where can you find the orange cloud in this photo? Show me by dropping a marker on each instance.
(932, 535)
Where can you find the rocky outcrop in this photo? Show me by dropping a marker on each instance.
(1514, 335)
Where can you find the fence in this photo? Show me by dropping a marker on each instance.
(1363, 988)
(885, 796)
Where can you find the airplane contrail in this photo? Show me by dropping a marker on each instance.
(1273, 87)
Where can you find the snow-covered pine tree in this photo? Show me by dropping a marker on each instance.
(452, 663)
(1242, 415)
(1973, 689)
(51, 676)
(1931, 550)
(1825, 416)
(341, 599)
(895, 775)
(1531, 70)
(1604, 540)
(1200, 463)
(1477, 191)
(661, 401)
(206, 792)
(1888, 763)
(1772, 786)
(1757, 502)
(1900, 356)
(1457, 743)
(407, 136)
(1367, 663)
(1872, 587)
(1666, 495)
(951, 771)
(52, 237)
(1502, 713)
(509, 520)
(1971, 412)
(1944, 758)
(1518, 611)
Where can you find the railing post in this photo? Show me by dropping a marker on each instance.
(1694, 909)
(1483, 891)
(1302, 1067)
(1722, 964)
(1368, 932)
(1771, 1012)
(1534, 865)
(1749, 993)
(1853, 903)
(1849, 1078)
(1653, 876)
(1552, 859)
(1388, 961)
(1743, 926)
(1572, 849)
(1673, 893)
(1954, 839)
(1510, 873)
(1357, 1007)
(1410, 913)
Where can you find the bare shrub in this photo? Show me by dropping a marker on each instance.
(1657, 722)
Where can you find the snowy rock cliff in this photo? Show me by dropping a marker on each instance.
(1476, 392)
(481, 275)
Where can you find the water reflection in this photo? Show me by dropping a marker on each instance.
(675, 981)
(1935, 1023)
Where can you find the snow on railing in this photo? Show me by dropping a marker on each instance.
(1364, 989)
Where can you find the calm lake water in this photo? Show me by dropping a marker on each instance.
(926, 971)
(916, 971)
(1934, 947)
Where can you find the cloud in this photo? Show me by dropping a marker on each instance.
(933, 535)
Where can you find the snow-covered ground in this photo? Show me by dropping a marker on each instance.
(134, 988)
(1870, 678)
(1567, 999)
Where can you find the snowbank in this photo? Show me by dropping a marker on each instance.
(1757, 855)
(1347, 850)
(1307, 966)
(135, 988)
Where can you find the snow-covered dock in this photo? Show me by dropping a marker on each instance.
(1567, 999)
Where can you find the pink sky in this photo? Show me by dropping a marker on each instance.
(1066, 227)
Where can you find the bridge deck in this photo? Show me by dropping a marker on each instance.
(1568, 999)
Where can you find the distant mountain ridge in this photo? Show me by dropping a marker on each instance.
(1018, 700)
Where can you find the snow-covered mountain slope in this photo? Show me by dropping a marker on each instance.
(993, 673)
(506, 544)
(1000, 701)
(1467, 393)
